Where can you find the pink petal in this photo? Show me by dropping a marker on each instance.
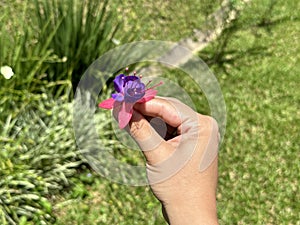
(125, 114)
(107, 104)
(150, 94)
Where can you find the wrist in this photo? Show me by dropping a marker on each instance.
(191, 213)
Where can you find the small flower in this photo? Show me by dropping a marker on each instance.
(116, 41)
(7, 72)
(129, 90)
(64, 59)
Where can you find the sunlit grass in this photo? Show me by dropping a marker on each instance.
(259, 173)
(256, 63)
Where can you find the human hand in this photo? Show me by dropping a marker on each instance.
(181, 154)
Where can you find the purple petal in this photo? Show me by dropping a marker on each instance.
(119, 83)
(131, 78)
(118, 97)
(134, 91)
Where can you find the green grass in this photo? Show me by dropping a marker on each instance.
(256, 61)
(163, 20)
(259, 160)
(110, 203)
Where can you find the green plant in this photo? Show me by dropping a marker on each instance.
(49, 44)
(22, 50)
(39, 158)
(84, 31)
(38, 155)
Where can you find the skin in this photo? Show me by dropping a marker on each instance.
(189, 195)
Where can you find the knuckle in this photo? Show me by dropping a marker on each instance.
(211, 125)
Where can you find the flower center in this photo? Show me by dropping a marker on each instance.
(134, 90)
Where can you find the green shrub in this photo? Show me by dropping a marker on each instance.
(37, 158)
(84, 31)
(47, 42)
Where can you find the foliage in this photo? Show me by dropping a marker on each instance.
(80, 31)
(38, 150)
(21, 50)
(48, 42)
(44, 180)
(38, 155)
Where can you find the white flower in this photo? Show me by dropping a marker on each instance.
(64, 59)
(116, 41)
(7, 72)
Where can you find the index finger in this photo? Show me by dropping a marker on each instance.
(160, 107)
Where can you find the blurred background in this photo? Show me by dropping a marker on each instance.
(252, 47)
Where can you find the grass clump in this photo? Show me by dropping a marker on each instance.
(37, 158)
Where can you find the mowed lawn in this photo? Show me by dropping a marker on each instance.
(259, 160)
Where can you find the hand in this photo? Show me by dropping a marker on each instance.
(181, 150)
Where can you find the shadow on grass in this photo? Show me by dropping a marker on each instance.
(224, 55)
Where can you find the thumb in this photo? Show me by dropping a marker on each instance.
(154, 147)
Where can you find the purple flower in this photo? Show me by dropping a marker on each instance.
(130, 90)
